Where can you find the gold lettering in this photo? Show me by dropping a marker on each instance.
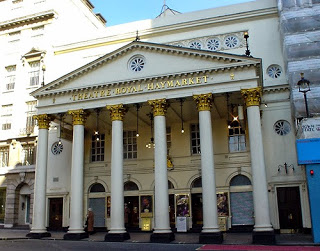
(139, 88)
(198, 80)
(123, 90)
(170, 83)
(85, 95)
(158, 86)
(184, 81)
(177, 83)
(74, 97)
(91, 95)
(80, 96)
(102, 94)
(205, 78)
(109, 92)
(95, 94)
(150, 86)
(163, 84)
(134, 89)
(118, 91)
(191, 82)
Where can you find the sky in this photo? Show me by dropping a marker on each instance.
(124, 11)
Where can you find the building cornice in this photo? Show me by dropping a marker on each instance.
(165, 29)
(38, 17)
(277, 88)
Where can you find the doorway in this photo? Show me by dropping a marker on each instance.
(197, 217)
(132, 212)
(98, 209)
(289, 208)
(55, 213)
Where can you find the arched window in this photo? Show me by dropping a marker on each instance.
(97, 188)
(240, 180)
(197, 182)
(170, 185)
(130, 186)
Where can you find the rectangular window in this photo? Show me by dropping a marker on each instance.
(6, 116)
(97, 147)
(195, 139)
(10, 77)
(237, 138)
(28, 154)
(4, 156)
(34, 73)
(31, 110)
(129, 145)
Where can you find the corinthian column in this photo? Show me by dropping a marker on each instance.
(38, 229)
(210, 231)
(263, 231)
(162, 231)
(117, 230)
(76, 230)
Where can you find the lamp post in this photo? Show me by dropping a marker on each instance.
(304, 87)
(246, 36)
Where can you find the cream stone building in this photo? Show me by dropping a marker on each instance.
(184, 124)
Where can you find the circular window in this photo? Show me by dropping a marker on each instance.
(231, 42)
(57, 148)
(282, 127)
(137, 63)
(195, 45)
(274, 71)
(213, 44)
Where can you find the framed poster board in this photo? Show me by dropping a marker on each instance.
(183, 205)
(108, 206)
(146, 206)
(223, 203)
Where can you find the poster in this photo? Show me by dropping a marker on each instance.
(183, 205)
(108, 206)
(146, 204)
(222, 204)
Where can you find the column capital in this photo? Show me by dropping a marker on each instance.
(252, 96)
(43, 120)
(159, 106)
(203, 101)
(79, 117)
(117, 112)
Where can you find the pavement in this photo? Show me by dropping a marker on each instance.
(180, 238)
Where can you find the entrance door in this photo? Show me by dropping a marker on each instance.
(197, 217)
(98, 209)
(55, 213)
(289, 208)
(132, 212)
(242, 209)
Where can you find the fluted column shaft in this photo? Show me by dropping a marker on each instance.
(209, 197)
(40, 187)
(162, 222)
(117, 113)
(260, 191)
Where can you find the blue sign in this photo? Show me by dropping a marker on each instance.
(308, 151)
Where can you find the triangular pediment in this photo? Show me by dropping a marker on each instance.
(143, 61)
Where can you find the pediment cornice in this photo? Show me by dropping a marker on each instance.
(228, 62)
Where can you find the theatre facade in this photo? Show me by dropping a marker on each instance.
(159, 138)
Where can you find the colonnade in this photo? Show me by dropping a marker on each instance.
(162, 232)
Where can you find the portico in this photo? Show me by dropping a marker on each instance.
(212, 84)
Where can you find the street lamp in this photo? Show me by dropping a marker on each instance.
(304, 87)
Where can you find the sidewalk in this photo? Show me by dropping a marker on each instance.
(192, 238)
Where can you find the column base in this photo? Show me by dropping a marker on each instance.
(211, 238)
(263, 237)
(114, 237)
(75, 236)
(38, 235)
(162, 237)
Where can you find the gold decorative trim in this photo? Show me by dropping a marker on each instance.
(79, 117)
(159, 106)
(203, 101)
(43, 120)
(252, 97)
(117, 112)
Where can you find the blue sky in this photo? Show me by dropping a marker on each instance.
(124, 11)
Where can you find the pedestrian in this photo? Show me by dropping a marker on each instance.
(90, 221)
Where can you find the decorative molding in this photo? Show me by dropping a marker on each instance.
(117, 112)
(159, 107)
(43, 120)
(79, 117)
(252, 97)
(203, 101)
